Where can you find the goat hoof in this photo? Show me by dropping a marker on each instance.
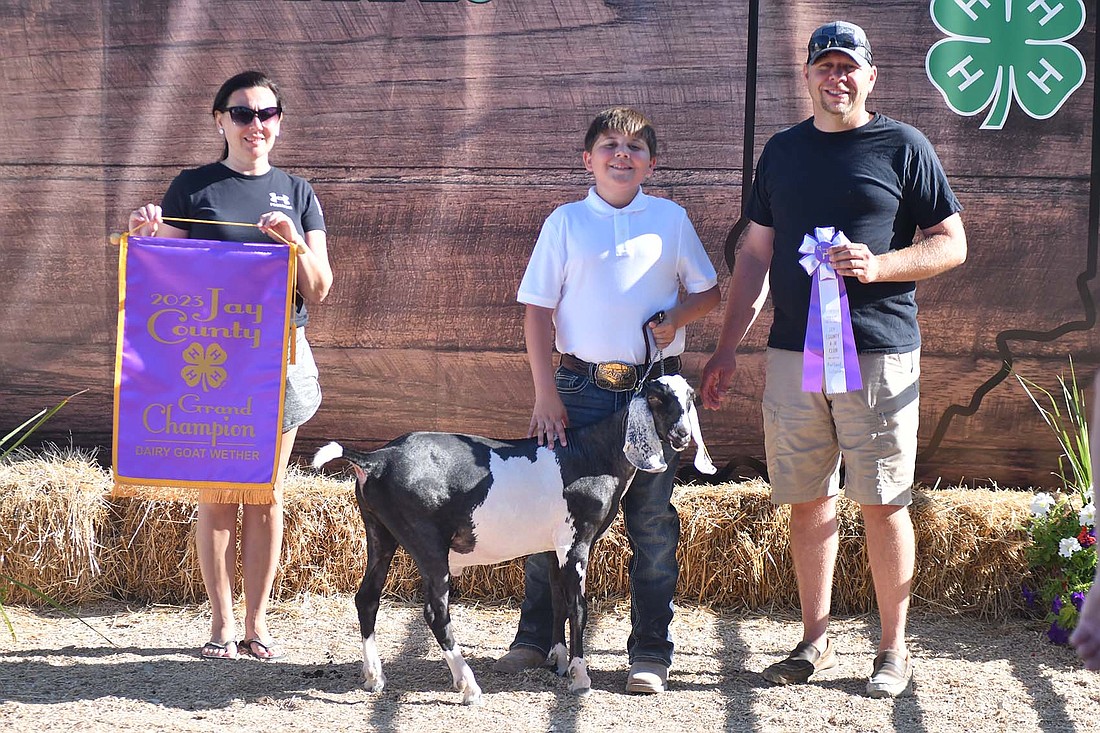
(374, 685)
(581, 691)
(472, 700)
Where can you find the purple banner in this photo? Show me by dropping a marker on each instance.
(201, 364)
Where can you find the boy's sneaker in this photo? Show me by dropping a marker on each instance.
(801, 663)
(647, 678)
(892, 675)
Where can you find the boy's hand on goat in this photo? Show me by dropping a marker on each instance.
(548, 420)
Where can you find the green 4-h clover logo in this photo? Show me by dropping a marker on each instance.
(1004, 49)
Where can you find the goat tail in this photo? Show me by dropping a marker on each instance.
(327, 453)
(360, 462)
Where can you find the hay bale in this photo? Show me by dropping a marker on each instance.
(155, 556)
(324, 546)
(52, 526)
(733, 547)
(59, 534)
(734, 551)
(971, 548)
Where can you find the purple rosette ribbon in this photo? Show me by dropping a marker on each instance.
(829, 354)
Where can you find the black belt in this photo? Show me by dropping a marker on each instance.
(618, 376)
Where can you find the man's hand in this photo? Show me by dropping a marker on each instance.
(717, 377)
(854, 260)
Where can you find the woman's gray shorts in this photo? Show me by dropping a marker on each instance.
(303, 391)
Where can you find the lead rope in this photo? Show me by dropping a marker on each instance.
(659, 316)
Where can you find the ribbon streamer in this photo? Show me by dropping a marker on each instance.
(829, 353)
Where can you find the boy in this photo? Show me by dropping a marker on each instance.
(600, 268)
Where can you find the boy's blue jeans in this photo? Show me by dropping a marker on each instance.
(652, 527)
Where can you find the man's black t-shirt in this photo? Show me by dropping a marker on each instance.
(216, 192)
(877, 183)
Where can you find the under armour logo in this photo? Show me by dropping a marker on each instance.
(281, 201)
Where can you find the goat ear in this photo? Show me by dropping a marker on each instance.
(643, 446)
(703, 463)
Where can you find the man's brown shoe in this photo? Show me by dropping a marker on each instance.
(892, 675)
(518, 659)
(801, 663)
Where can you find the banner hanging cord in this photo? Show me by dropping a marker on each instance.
(118, 239)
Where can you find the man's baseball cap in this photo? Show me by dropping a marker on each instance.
(848, 38)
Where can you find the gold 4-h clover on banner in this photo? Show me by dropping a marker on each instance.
(203, 366)
(998, 50)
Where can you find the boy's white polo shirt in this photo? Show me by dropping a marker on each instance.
(604, 271)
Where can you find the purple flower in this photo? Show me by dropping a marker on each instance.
(1056, 604)
(1029, 597)
(1057, 634)
(1078, 599)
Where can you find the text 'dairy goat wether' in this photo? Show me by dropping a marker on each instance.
(454, 501)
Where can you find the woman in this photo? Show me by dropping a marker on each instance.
(244, 187)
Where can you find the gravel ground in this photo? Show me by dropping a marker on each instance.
(971, 675)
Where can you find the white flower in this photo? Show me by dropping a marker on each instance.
(1041, 504)
(1068, 546)
(1087, 516)
(1090, 496)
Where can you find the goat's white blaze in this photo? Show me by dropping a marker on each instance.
(524, 512)
(373, 679)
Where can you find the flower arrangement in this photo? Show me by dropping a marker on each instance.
(1062, 526)
(1062, 557)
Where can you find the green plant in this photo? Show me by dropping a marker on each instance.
(1062, 526)
(16, 437)
(8, 444)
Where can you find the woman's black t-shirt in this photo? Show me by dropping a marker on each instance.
(216, 192)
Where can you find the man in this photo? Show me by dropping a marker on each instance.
(848, 170)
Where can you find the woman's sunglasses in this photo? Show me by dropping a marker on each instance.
(244, 115)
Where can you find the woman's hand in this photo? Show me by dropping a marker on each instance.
(145, 221)
(278, 226)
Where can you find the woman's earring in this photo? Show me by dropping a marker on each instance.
(221, 131)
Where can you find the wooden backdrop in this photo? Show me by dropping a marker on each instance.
(439, 135)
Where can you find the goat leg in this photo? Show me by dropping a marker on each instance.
(381, 547)
(573, 576)
(438, 615)
(558, 652)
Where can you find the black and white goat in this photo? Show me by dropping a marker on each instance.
(454, 501)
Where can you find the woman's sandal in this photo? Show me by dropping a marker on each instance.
(213, 650)
(268, 652)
